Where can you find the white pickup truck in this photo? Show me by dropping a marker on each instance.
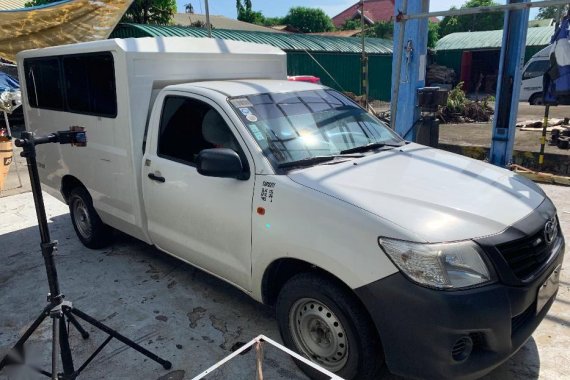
(375, 251)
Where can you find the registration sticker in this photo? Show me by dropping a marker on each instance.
(251, 118)
(241, 103)
(245, 111)
(256, 132)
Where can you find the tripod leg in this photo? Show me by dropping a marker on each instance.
(66, 358)
(19, 346)
(87, 318)
(54, 347)
(75, 323)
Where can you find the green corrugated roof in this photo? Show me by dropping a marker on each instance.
(539, 36)
(284, 41)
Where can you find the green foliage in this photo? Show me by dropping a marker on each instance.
(551, 12)
(382, 29)
(272, 21)
(353, 24)
(433, 34)
(245, 13)
(150, 12)
(487, 100)
(456, 100)
(474, 22)
(34, 3)
(308, 20)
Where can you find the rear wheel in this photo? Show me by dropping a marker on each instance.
(88, 226)
(323, 321)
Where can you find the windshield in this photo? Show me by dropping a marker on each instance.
(295, 126)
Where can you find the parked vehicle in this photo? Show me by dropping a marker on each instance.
(532, 76)
(374, 251)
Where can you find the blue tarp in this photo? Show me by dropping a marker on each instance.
(7, 83)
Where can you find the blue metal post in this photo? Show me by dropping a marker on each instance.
(413, 52)
(508, 84)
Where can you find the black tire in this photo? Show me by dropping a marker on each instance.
(88, 226)
(361, 356)
(535, 99)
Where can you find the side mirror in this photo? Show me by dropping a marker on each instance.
(221, 163)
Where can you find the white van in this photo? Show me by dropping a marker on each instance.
(532, 75)
(374, 251)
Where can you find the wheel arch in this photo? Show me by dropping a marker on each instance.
(534, 96)
(281, 270)
(68, 183)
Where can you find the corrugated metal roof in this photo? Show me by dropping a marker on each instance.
(219, 22)
(12, 4)
(539, 36)
(284, 41)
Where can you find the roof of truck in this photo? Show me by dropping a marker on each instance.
(159, 45)
(248, 87)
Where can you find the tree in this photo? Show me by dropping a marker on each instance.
(351, 24)
(34, 3)
(551, 12)
(474, 22)
(150, 12)
(308, 20)
(382, 29)
(245, 13)
(433, 34)
(272, 21)
(189, 8)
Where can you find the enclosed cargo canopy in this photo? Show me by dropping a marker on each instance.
(108, 87)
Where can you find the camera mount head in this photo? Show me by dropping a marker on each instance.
(75, 136)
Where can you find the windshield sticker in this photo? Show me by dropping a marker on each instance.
(245, 111)
(251, 118)
(267, 191)
(256, 132)
(241, 103)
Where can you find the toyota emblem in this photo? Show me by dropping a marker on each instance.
(551, 230)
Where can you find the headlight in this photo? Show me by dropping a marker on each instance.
(443, 266)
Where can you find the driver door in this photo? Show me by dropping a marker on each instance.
(203, 220)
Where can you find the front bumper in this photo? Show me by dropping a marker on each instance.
(420, 327)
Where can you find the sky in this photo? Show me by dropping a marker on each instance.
(274, 8)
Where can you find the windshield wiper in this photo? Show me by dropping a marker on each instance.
(306, 161)
(371, 146)
(317, 160)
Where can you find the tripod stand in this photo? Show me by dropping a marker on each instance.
(57, 308)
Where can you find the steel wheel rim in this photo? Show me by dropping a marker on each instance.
(81, 218)
(318, 333)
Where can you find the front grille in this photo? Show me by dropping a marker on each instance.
(526, 256)
(521, 319)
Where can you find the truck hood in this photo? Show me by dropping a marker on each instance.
(436, 195)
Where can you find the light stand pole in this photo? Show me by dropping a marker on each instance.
(58, 309)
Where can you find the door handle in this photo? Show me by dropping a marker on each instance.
(156, 178)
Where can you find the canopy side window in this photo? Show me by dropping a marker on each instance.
(81, 83)
(43, 83)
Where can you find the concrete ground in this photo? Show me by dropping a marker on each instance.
(181, 313)
(479, 134)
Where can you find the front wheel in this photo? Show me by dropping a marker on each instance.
(92, 232)
(324, 322)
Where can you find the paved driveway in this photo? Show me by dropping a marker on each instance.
(181, 313)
